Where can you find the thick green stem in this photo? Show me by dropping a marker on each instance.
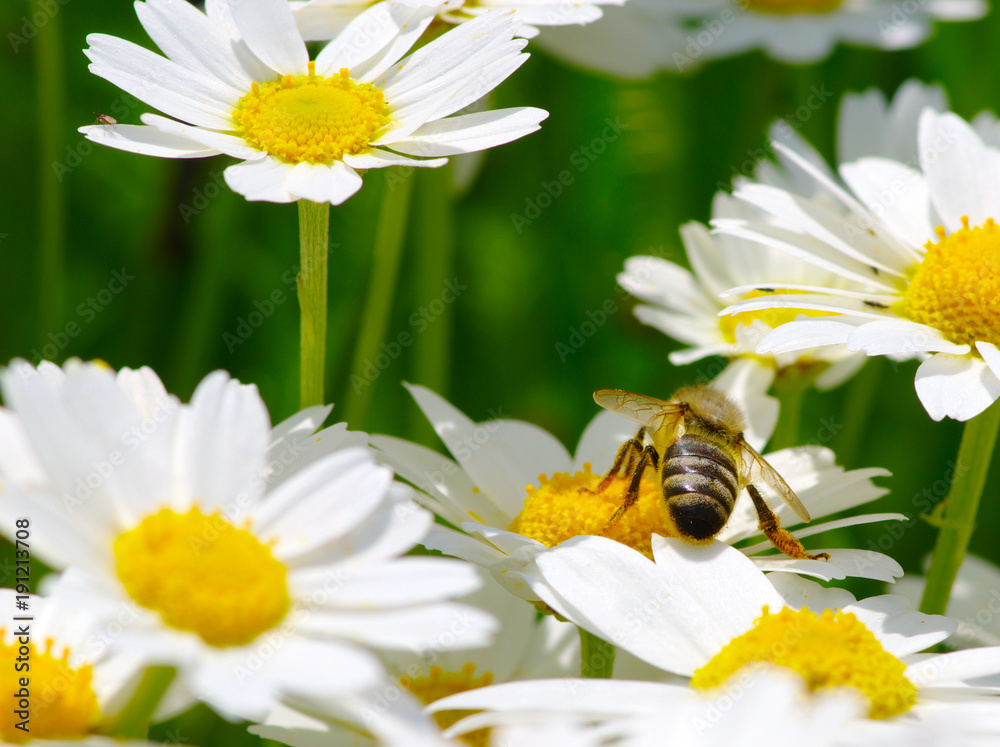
(434, 240)
(314, 237)
(597, 656)
(381, 292)
(790, 387)
(858, 408)
(960, 507)
(50, 121)
(134, 720)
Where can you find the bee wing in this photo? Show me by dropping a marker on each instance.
(660, 417)
(759, 468)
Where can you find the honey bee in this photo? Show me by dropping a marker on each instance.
(703, 462)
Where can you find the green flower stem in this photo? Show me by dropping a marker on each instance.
(314, 237)
(50, 121)
(790, 387)
(381, 291)
(434, 239)
(960, 507)
(134, 720)
(858, 408)
(597, 656)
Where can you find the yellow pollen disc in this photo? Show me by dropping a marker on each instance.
(566, 505)
(791, 6)
(203, 575)
(311, 119)
(956, 289)
(770, 317)
(61, 700)
(440, 684)
(831, 650)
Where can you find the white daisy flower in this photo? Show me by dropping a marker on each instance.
(802, 31)
(633, 40)
(645, 36)
(506, 526)
(236, 553)
(74, 688)
(917, 241)
(768, 708)
(685, 304)
(237, 80)
(392, 713)
(319, 20)
(974, 601)
(710, 614)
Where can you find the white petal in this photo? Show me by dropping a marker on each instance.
(268, 28)
(843, 563)
(376, 158)
(460, 545)
(321, 183)
(956, 386)
(487, 461)
(901, 337)
(682, 614)
(900, 629)
(808, 333)
(798, 592)
(469, 133)
(147, 141)
(374, 40)
(263, 180)
(400, 583)
(963, 173)
(594, 697)
(991, 354)
(451, 492)
(171, 88)
(221, 441)
(218, 141)
(896, 193)
(955, 666)
(427, 628)
(322, 502)
(601, 440)
(188, 37)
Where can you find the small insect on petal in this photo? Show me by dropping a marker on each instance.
(106, 120)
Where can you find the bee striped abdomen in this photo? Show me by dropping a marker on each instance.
(699, 486)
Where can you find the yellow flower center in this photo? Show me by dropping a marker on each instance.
(566, 505)
(831, 650)
(59, 699)
(771, 317)
(203, 575)
(956, 289)
(309, 118)
(440, 684)
(785, 7)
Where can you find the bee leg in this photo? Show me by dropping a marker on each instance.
(649, 458)
(628, 451)
(771, 527)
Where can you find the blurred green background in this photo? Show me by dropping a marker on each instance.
(202, 256)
